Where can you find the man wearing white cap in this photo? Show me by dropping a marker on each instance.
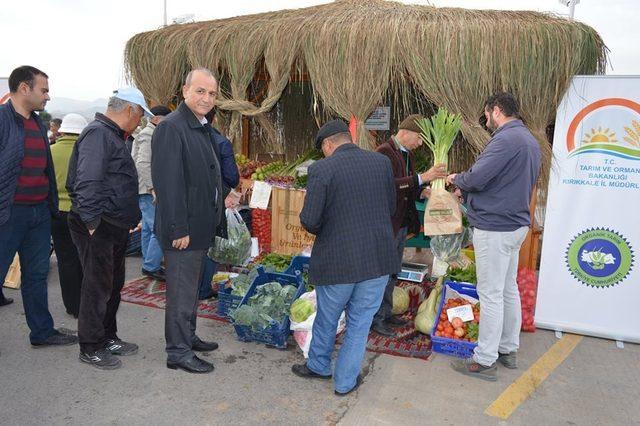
(103, 187)
(69, 267)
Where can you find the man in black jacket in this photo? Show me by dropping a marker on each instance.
(188, 185)
(350, 200)
(103, 187)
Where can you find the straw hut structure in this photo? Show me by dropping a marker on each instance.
(355, 55)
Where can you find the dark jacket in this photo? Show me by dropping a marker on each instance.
(498, 187)
(102, 179)
(187, 180)
(350, 199)
(11, 155)
(230, 174)
(407, 188)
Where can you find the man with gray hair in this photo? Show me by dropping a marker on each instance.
(187, 181)
(103, 187)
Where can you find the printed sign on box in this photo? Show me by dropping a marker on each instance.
(287, 234)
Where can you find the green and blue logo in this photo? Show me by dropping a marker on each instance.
(599, 257)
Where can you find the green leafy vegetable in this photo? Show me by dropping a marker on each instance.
(438, 134)
(302, 309)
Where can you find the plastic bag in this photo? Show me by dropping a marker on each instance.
(236, 249)
(302, 331)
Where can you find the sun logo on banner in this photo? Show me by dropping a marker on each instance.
(588, 135)
(599, 136)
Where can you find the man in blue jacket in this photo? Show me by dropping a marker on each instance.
(103, 187)
(28, 198)
(230, 180)
(498, 189)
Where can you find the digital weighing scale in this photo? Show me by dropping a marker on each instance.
(415, 272)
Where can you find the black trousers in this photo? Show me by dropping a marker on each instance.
(384, 313)
(102, 258)
(69, 266)
(184, 269)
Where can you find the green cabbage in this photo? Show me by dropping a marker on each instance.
(301, 309)
(400, 301)
(269, 304)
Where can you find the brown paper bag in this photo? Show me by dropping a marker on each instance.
(12, 280)
(442, 215)
(287, 234)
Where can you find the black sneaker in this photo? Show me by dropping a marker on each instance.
(120, 347)
(159, 275)
(57, 339)
(102, 359)
(4, 301)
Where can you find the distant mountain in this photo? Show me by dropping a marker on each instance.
(59, 107)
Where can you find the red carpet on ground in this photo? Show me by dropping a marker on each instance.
(407, 343)
(140, 292)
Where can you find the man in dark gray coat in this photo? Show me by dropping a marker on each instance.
(350, 200)
(188, 185)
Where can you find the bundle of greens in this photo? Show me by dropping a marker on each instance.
(270, 304)
(274, 262)
(240, 284)
(236, 249)
(466, 275)
(438, 134)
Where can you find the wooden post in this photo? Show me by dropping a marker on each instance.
(531, 246)
(246, 129)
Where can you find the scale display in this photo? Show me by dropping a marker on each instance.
(415, 272)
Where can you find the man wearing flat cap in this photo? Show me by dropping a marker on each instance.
(349, 204)
(405, 220)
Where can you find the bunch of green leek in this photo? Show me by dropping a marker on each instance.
(438, 133)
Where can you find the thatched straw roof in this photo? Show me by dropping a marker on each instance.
(357, 51)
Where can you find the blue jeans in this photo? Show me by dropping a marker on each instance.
(28, 232)
(361, 301)
(208, 271)
(151, 251)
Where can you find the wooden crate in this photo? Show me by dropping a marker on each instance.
(530, 250)
(12, 280)
(287, 234)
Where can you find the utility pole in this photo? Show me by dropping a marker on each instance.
(571, 4)
(165, 13)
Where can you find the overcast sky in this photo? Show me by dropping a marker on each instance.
(79, 43)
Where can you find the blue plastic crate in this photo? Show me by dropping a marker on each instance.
(444, 345)
(275, 334)
(134, 244)
(227, 302)
(298, 264)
